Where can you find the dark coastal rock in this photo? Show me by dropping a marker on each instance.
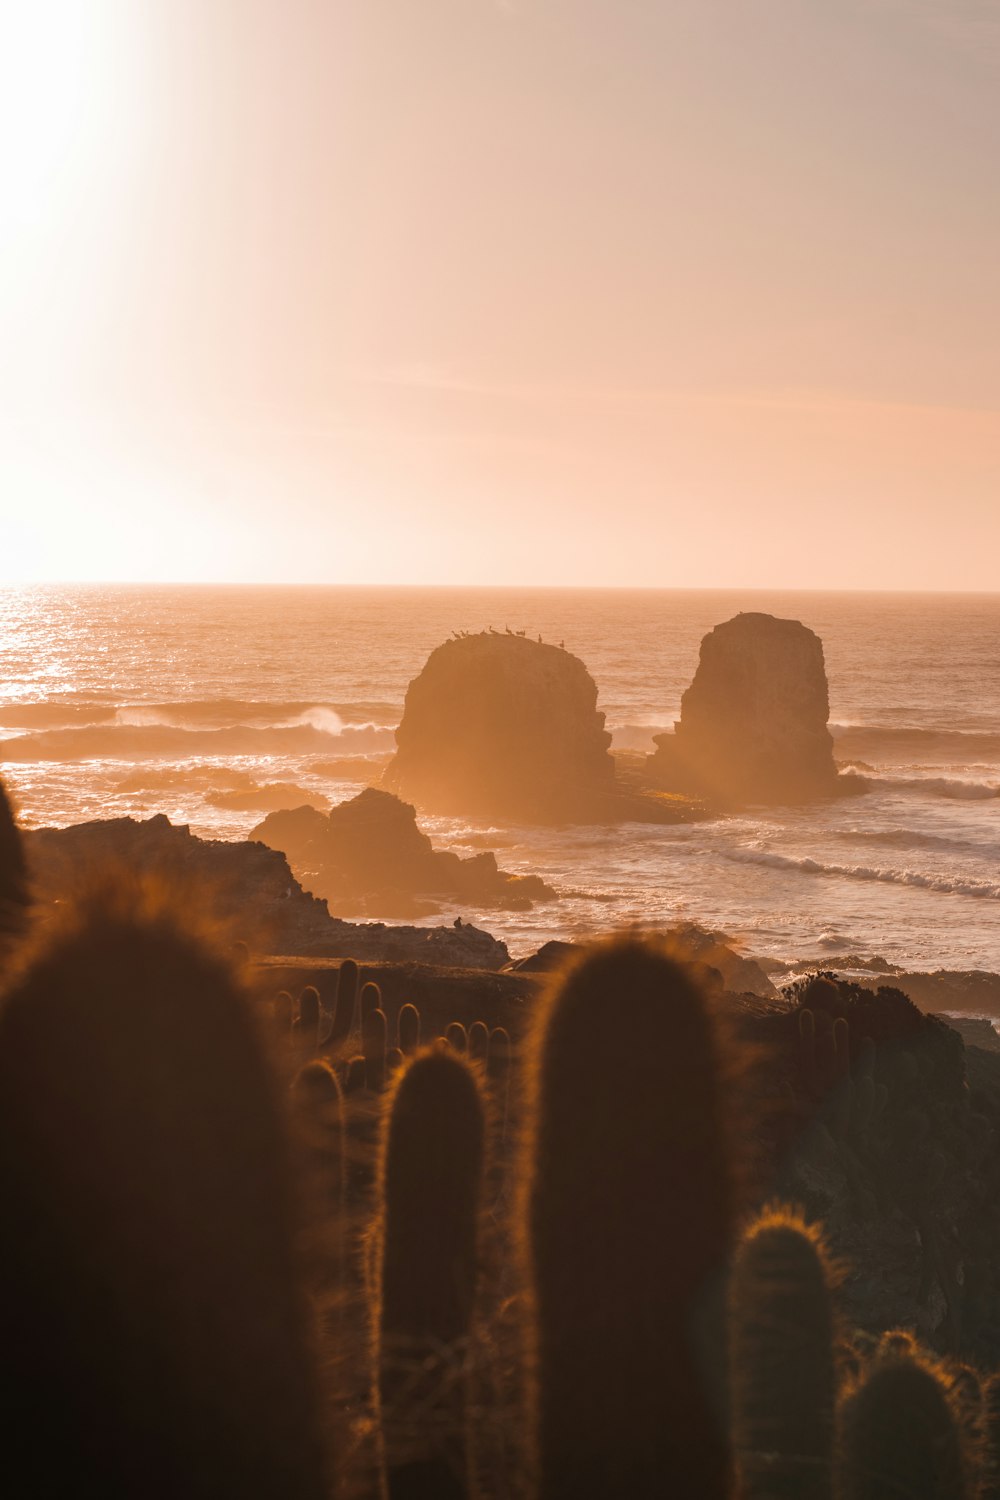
(275, 796)
(736, 973)
(503, 726)
(247, 887)
(368, 855)
(753, 725)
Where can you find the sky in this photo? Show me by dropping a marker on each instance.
(694, 293)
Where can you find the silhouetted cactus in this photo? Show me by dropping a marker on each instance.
(344, 1007)
(319, 1136)
(629, 1220)
(498, 1073)
(430, 1187)
(457, 1037)
(479, 1041)
(376, 1032)
(306, 1029)
(370, 999)
(282, 1012)
(901, 1436)
(149, 1294)
(990, 1489)
(355, 1072)
(394, 1060)
(13, 873)
(782, 1360)
(408, 1029)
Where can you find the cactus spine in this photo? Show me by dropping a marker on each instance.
(782, 1360)
(430, 1189)
(628, 1220)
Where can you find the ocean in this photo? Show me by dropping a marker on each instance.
(133, 700)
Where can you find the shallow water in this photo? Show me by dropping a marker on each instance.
(134, 700)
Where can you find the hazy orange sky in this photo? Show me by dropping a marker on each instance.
(670, 292)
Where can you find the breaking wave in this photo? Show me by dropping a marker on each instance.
(948, 885)
(314, 732)
(953, 787)
(910, 838)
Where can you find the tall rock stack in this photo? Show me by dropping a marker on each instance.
(753, 724)
(506, 727)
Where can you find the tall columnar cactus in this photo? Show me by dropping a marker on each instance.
(430, 1190)
(370, 999)
(282, 1011)
(148, 1294)
(498, 1073)
(990, 1489)
(306, 1028)
(902, 1435)
(375, 1041)
(344, 1007)
(408, 1029)
(457, 1037)
(318, 1118)
(628, 1223)
(782, 1360)
(13, 873)
(479, 1041)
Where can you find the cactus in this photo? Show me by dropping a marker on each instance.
(902, 1435)
(281, 1015)
(498, 1073)
(457, 1037)
(14, 897)
(628, 1221)
(375, 1040)
(430, 1188)
(318, 1116)
(394, 1060)
(344, 1006)
(354, 1074)
(479, 1041)
(991, 1423)
(369, 1000)
(408, 1029)
(306, 1028)
(782, 1360)
(154, 1129)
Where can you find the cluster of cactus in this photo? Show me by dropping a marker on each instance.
(669, 1344)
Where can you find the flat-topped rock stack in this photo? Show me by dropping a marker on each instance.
(503, 726)
(753, 724)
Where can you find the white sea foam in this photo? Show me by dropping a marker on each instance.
(947, 885)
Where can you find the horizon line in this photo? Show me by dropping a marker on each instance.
(620, 588)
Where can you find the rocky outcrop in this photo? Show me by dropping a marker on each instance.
(247, 887)
(737, 974)
(503, 726)
(368, 856)
(753, 724)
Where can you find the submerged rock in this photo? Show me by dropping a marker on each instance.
(503, 726)
(369, 855)
(753, 725)
(247, 887)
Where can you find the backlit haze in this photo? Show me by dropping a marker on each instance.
(652, 292)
